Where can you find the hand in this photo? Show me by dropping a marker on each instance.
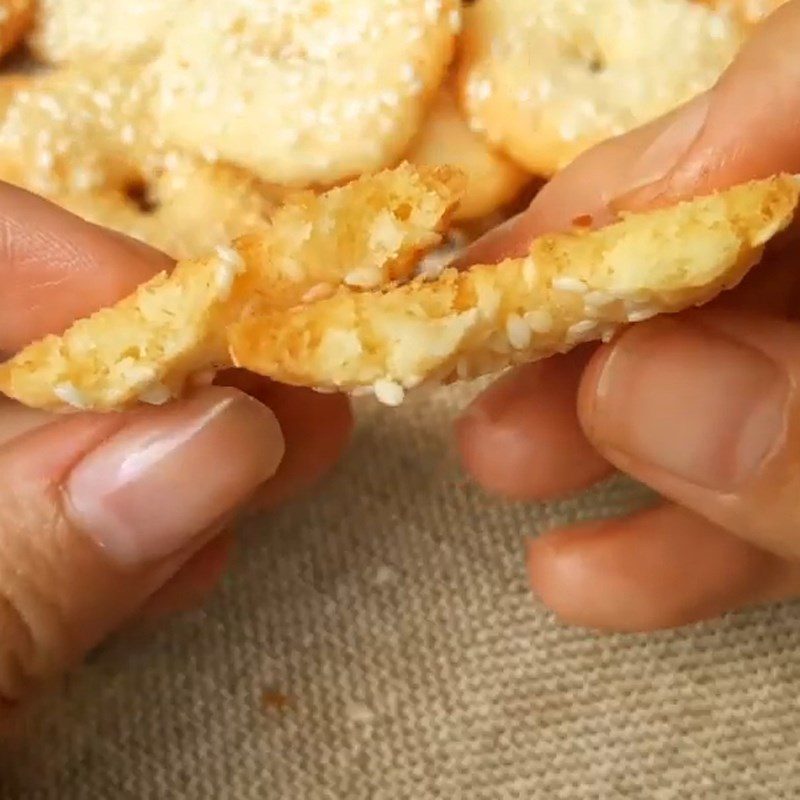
(109, 518)
(703, 407)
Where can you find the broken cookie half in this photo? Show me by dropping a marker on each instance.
(324, 298)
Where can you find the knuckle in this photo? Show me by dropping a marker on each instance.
(34, 633)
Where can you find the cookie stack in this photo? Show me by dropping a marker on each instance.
(186, 122)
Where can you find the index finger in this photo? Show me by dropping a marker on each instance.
(746, 127)
(56, 267)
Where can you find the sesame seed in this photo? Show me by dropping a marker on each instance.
(640, 315)
(204, 377)
(567, 283)
(529, 271)
(229, 255)
(580, 330)
(156, 395)
(479, 90)
(364, 277)
(388, 392)
(608, 335)
(596, 299)
(539, 321)
(318, 291)
(454, 20)
(68, 393)
(518, 332)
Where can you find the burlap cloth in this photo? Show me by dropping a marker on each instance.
(388, 620)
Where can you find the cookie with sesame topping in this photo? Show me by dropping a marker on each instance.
(171, 332)
(303, 92)
(545, 81)
(76, 129)
(492, 179)
(182, 205)
(16, 17)
(82, 138)
(67, 31)
(572, 288)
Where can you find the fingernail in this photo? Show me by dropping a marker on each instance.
(665, 151)
(691, 402)
(169, 474)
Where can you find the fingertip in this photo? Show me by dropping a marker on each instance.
(521, 439)
(192, 585)
(659, 568)
(52, 259)
(316, 428)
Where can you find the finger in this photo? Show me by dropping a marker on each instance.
(193, 584)
(746, 127)
(17, 420)
(773, 288)
(521, 438)
(55, 267)
(705, 409)
(316, 429)
(659, 568)
(98, 512)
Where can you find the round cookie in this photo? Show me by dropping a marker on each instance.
(547, 80)
(77, 129)
(77, 30)
(303, 92)
(82, 137)
(15, 19)
(492, 179)
(183, 207)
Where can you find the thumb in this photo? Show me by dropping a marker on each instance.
(98, 512)
(706, 411)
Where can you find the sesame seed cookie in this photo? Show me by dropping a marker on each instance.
(492, 179)
(77, 128)
(76, 30)
(572, 288)
(15, 19)
(181, 206)
(547, 80)
(303, 92)
(82, 137)
(172, 331)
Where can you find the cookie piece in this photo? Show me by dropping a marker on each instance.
(15, 19)
(80, 30)
(173, 328)
(303, 92)
(572, 288)
(545, 81)
(82, 137)
(492, 179)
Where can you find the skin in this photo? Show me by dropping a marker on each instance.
(702, 407)
(115, 520)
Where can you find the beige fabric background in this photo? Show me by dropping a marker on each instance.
(392, 608)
